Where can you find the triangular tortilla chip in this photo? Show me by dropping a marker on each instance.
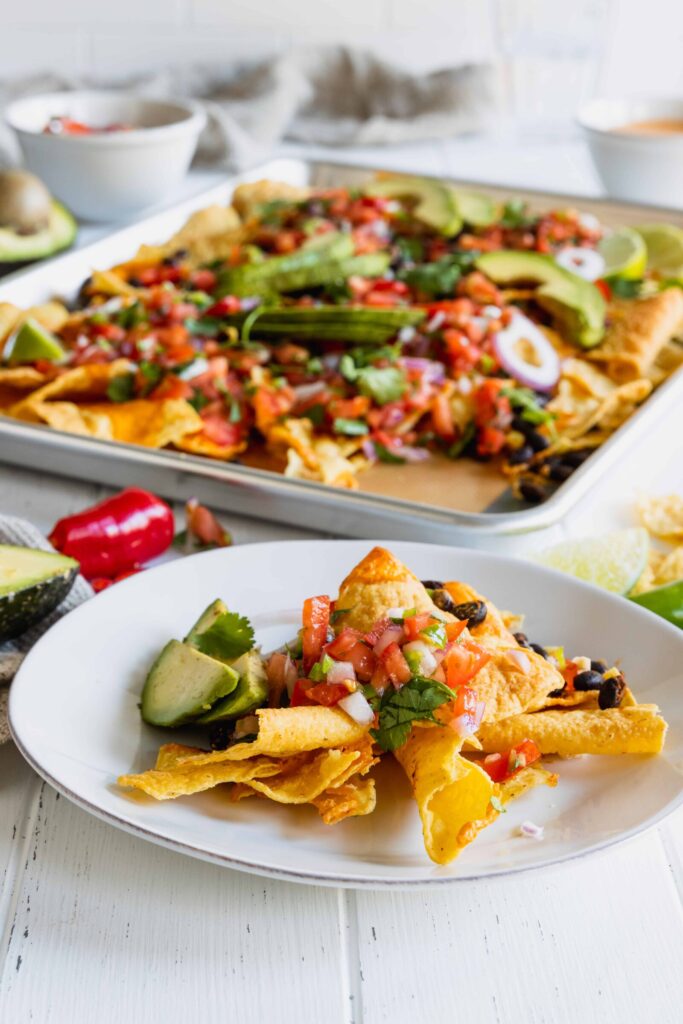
(378, 583)
(638, 330)
(353, 799)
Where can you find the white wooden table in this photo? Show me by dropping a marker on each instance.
(99, 927)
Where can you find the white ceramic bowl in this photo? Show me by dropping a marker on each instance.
(645, 168)
(111, 175)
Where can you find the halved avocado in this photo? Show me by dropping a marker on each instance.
(476, 209)
(250, 693)
(434, 203)
(32, 341)
(59, 233)
(32, 584)
(575, 303)
(182, 684)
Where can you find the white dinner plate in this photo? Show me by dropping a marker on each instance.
(74, 715)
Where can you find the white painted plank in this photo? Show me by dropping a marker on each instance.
(19, 788)
(108, 928)
(596, 940)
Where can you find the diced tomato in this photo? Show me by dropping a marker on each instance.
(454, 629)
(463, 661)
(327, 694)
(379, 679)
(299, 696)
(569, 674)
(414, 624)
(217, 428)
(375, 633)
(149, 276)
(204, 280)
(172, 387)
(175, 340)
(342, 644)
(112, 332)
(288, 241)
(500, 767)
(464, 703)
(269, 405)
(442, 417)
(363, 661)
(603, 287)
(225, 306)
(395, 664)
(349, 408)
(316, 620)
(490, 441)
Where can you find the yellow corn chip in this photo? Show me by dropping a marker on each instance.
(670, 568)
(630, 730)
(198, 444)
(170, 783)
(638, 330)
(353, 799)
(154, 424)
(249, 197)
(663, 516)
(305, 781)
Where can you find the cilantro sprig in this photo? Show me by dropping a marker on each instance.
(230, 636)
(416, 701)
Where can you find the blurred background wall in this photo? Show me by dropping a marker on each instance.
(622, 46)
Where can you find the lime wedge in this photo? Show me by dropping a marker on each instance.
(614, 561)
(665, 601)
(624, 253)
(32, 342)
(478, 210)
(664, 249)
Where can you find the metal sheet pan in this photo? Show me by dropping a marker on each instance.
(266, 494)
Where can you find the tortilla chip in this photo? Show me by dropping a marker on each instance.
(249, 197)
(527, 778)
(638, 330)
(154, 424)
(670, 568)
(178, 780)
(307, 779)
(353, 799)
(78, 382)
(452, 793)
(587, 399)
(646, 581)
(310, 457)
(72, 418)
(380, 582)
(503, 683)
(51, 315)
(286, 731)
(630, 730)
(23, 378)
(662, 516)
(198, 444)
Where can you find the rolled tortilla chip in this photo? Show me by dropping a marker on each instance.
(353, 799)
(638, 330)
(568, 732)
(453, 794)
(286, 731)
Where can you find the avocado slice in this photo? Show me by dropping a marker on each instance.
(205, 621)
(32, 341)
(32, 584)
(182, 683)
(576, 304)
(251, 691)
(434, 203)
(59, 233)
(476, 209)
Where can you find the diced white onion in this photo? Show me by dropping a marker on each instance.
(406, 333)
(530, 830)
(436, 321)
(426, 663)
(391, 635)
(396, 613)
(196, 368)
(493, 312)
(305, 391)
(464, 386)
(341, 672)
(357, 707)
(520, 659)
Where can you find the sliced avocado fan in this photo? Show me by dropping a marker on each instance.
(435, 205)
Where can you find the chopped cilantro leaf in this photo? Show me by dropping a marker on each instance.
(382, 384)
(198, 401)
(624, 289)
(316, 414)
(435, 280)
(515, 215)
(131, 316)
(230, 636)
(455, 450)
(347, 367)
(398, 709)
(122, 388)
(525, 400)
(235, 411)
(204, 326)
(384, 455)
(353, 428)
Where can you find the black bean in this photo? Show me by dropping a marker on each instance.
(474, 611)
(540, 650)
(522, 425)
(432, 584)
(599, 666)
(219, 735)
(576, 458)
(532, 492)
(538, 442)
(558, 693)
(522, 639)
(588, 680)
(443, 600)
(611, 692)
(518, 456)
(560, 472)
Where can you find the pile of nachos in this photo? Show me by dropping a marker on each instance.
(318, 332)
(426, 672)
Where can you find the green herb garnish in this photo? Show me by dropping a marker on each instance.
(352, 428)
(230, 636)
(121, 389)
(398, 709)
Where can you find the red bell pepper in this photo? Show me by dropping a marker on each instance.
(117, 535)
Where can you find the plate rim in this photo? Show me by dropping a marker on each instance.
(337, 879)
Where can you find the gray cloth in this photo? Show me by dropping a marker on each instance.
(332, 96)
(19, 532)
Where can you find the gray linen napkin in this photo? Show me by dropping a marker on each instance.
(333, 96)
(22, 533)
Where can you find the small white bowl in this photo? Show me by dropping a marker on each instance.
(108, 175)
(645, 168)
